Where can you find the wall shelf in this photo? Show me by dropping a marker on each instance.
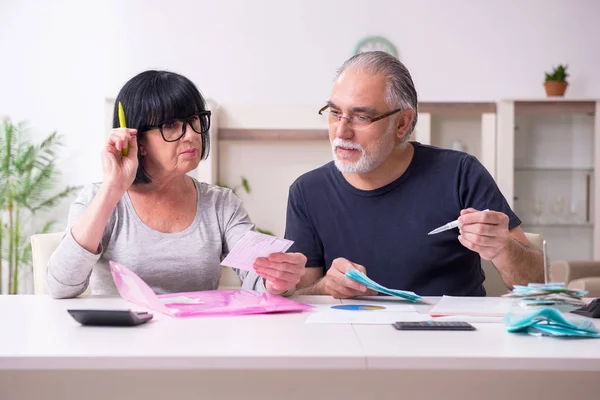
(553, 106)
(438, 109)
(273, 134)
(456, 109)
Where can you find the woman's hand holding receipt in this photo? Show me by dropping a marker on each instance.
(281, 271)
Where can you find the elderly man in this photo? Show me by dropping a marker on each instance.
(371, 208)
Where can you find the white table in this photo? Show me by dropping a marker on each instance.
(45, 353)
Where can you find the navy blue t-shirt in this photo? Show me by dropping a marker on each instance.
(385, 229)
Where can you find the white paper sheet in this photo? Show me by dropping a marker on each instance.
(391, 313)
(329, 316)
(472, 306)
(253, 245)
(364, 317)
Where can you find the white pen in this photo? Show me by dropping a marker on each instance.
(448, 226)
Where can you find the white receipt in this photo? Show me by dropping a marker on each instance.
(252, 246)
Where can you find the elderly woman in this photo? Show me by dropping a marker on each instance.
(148, 215)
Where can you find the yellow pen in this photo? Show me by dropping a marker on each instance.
(123, 124)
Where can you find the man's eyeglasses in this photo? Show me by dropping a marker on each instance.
(173, 130)
(357, 120)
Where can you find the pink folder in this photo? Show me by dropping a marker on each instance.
(213, 302)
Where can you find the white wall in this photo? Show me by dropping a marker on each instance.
(61, 59)
(270, 168)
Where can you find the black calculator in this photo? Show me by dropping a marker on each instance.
(433, 326)
(110, 317)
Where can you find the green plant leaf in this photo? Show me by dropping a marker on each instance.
(52, 201)
(558, 74)
(265, 232)
(246, 185)
(28, 179)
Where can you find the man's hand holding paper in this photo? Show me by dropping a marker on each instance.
(338, 285)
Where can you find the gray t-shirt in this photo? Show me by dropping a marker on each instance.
(184, 261)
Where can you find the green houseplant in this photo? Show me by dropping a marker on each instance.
(556, 81)
(28, 177)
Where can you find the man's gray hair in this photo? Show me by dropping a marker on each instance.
(401, 92)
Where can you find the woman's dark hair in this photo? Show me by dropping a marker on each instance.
(153, 97)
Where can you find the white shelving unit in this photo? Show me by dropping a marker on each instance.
(548, 159)
(469, 127)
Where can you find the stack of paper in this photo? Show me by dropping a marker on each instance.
(549, 294)
(471, 306)
(371, 284)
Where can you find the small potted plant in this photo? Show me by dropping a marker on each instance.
(556, 81)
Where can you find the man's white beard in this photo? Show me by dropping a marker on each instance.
(382, 148)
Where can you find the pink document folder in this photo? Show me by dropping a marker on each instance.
(203, 303)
